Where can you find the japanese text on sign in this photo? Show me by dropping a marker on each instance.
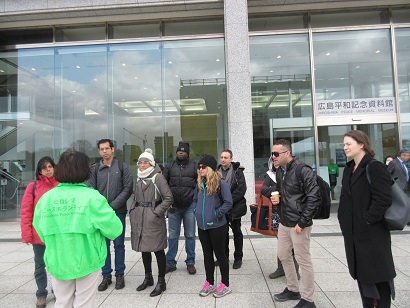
(361, 106)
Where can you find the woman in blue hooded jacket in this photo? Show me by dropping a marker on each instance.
(212, 201)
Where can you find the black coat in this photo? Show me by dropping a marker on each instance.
(238, 190)
(398, 173)
(182, 179)
(361, 209)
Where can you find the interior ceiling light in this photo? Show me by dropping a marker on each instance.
(169, 62)
(328, 54)
(78, 66)
(279, 57)
(270, 71)
(358, 66)
(1, 71)
(89, 112)
(33, 69)
(123, 64)
(217, 60)
(377, 51)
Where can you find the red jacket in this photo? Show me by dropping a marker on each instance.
(28, 204)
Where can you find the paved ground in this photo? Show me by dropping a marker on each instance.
(251, 284)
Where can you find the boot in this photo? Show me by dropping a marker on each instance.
(159, 288)
(279, 271)
(148, 281)
(296, 267)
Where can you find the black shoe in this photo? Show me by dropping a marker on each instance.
(305, 304)
(104, 284)
(286, 295)
(237, 264)
(278, 273)
(148, 281)
(119, 282)
(169, 269)
(159, 288)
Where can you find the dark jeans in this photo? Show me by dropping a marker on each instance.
(235, 225)
(213, 241)
(147, 260)
(119, 248)
(40, 273)
(385, 296)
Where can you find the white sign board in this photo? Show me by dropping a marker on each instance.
(361, 106)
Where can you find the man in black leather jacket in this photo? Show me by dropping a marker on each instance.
(299, 201)
(232, 173)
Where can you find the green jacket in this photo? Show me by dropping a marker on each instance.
(73, 221)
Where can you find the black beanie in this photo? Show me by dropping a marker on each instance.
(208, 160)
(184, 147)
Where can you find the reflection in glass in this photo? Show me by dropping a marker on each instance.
(140, 95)
(353, 64)
(281, 95)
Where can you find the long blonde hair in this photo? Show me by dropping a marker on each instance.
(212, 180)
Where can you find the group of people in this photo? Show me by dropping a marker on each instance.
(360, 214)
(77, 223)
(77, 211)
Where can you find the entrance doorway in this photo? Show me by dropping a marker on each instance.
(330, 146)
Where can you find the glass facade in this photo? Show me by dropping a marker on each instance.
(150, 94)
(281, 96)
(153, 83)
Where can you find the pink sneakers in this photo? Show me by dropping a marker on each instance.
(222, 290)
(207, 289)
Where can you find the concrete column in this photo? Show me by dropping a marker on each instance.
(238, 83)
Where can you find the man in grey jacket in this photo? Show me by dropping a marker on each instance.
(113, 180)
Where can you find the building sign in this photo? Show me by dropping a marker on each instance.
(362, 106)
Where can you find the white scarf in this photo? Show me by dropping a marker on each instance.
(145, 173)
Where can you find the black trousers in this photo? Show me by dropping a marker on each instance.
(385, 296)
(147, 260)
(213, 241)
(235, 225)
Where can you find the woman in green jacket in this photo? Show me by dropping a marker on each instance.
(73, 221)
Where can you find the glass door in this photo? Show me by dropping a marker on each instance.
(330, 146)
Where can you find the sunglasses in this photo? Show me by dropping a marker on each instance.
(203, 167)
(276, 154)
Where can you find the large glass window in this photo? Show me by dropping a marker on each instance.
(139, 94)
(281, 96)
(403, 74)
(353, 64)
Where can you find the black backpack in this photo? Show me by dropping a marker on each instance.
(323, 211)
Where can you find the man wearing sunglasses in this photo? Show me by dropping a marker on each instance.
(297, 206)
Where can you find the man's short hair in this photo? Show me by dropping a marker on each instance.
(229, 151)
(284, 143)
(104, 141)
(401, 152)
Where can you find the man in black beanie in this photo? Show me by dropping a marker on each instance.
(181, 175)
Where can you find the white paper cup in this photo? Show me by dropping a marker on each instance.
(275, 195)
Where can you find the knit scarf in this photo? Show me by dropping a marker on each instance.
(145, 173)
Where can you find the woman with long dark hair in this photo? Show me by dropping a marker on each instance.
(44, 182)
(361, 209)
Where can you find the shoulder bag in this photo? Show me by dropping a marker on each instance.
(397, 215)
(264, 217)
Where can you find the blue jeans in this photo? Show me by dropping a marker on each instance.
(119, 249)
(40, 273)
(174, 229)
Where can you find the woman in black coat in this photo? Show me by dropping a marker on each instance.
(360, 214)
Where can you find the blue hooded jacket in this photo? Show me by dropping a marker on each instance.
(210, 211)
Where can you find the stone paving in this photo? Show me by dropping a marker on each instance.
(250, 284)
